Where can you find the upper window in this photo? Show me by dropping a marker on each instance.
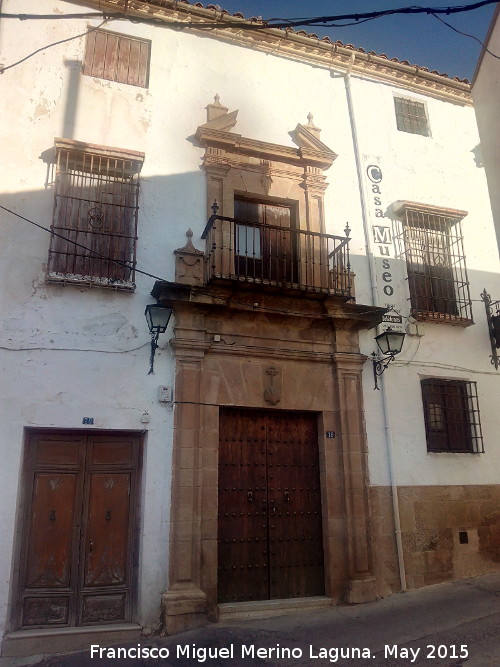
(411, 116)
(451, 414)
(117, 58)
(95, 215)
(431, 240)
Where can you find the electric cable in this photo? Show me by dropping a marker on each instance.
(279, 23)
(466, 34)
(276, 22)
(73, 349)
(48, 46)
(130, 265)
(227, 300)
(173, 286)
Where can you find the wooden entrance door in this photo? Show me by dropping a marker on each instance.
(77, 550)
(264, 244)
(270, 542)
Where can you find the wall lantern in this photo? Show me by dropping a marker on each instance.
(493, 319)
(390, 343)
(157, 317)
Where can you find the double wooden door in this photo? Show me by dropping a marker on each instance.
(270, 541)
(77, 551)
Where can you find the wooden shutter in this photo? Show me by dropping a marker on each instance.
(117, 58)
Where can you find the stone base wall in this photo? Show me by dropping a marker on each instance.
(448, 532)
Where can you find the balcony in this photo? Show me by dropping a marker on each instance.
(276, 256)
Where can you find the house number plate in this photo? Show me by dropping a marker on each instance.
(330, 434)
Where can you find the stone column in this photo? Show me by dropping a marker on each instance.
(348, 368)
(184, 605)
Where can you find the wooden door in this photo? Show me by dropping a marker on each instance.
(78, 545)
(264, 245)
(270, 543)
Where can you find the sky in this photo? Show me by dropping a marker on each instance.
(420, 39)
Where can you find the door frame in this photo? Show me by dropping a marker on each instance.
(254, 369)
(25, 487)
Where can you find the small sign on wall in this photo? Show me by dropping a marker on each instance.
(88, 420)
(330, 434)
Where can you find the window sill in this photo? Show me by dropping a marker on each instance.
(454, 451)
(88, 281)
(441, 318)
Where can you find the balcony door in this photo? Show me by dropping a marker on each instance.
(265, 248)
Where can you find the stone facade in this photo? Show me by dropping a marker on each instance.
(448, 532)
(223, 353)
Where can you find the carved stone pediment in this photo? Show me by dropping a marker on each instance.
(216, 133)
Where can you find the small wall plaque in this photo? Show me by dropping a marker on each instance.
(330, 434)
(88, 420)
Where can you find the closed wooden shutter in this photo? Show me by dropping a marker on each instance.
(117, 58)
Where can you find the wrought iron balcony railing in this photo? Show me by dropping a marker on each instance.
(270, 255)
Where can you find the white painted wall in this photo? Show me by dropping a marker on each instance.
(440, 170)
(74, 352)
(486, 94)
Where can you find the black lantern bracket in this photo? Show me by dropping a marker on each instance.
(157, 317)
(493, 318)
(390, 343)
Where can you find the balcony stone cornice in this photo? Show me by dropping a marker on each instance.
(273, 305)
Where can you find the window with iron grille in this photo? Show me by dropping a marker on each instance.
(411, 116)
(451, 413)
(94, 228)
(430, 239)
(117, 58)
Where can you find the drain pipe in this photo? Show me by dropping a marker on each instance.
(376, 302)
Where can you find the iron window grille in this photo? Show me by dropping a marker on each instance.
(119, 58)
(452, 420)
(95, 215)
(411, 116)
(430, 239)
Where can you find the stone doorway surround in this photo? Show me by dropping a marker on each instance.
(227, 338)
(223, 349)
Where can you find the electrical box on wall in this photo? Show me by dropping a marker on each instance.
(164, 394)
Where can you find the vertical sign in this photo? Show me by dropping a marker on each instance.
(381, 239)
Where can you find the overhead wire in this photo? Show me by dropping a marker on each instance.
(359, 18)
(466, 34)
(320, 21)
(4, 68)
(173, 286)
(277, 22)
